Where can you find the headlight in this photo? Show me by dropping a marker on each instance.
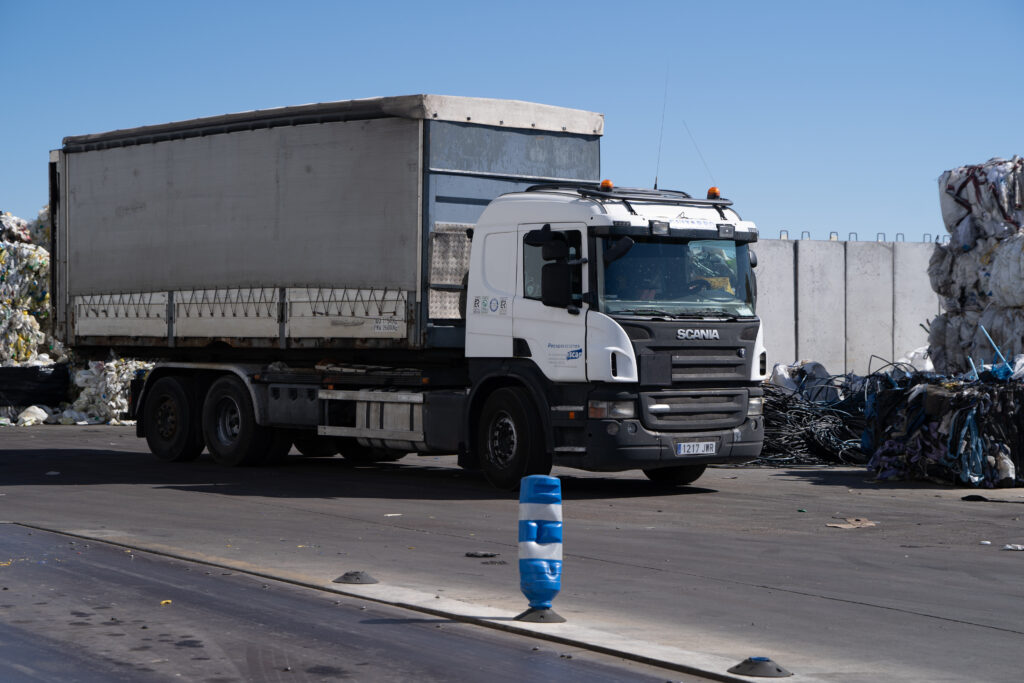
(755, 406)
(605, 409)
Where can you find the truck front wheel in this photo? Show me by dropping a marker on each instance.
(230, 429)
(172, 430)
(676, 476)
(510, 440)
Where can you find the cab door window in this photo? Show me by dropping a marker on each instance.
(533, 265)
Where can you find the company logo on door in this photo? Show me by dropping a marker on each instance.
(490, 305)
(564, 354)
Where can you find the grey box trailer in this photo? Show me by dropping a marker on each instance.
(305, 275)
(323, 226)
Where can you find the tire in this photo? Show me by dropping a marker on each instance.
(313, 446)
(230, 429)
(170, 420)
(680, 475)
(358, 454)
(510, 440)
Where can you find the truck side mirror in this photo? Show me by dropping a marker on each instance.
(753, 258)
(556, 284)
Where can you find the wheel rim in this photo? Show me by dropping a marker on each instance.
(228, 423)
(167, 418)
(502, 440)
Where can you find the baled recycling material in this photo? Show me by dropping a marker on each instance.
(979, 273)
(104, 391)
(24, 295)
(912, 425)
(33, 389)
(99, 392)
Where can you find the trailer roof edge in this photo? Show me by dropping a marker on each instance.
(475, 110)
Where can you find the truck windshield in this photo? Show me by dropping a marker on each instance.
(678, 278)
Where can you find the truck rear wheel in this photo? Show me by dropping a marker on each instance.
(510, 441)
(169, 419)
(676, 476)
(230, 429)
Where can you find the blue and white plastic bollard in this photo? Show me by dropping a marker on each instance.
(540, 545)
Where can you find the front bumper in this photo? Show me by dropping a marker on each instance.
(617, 445)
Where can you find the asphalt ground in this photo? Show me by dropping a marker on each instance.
(77, 610)
(743, 563)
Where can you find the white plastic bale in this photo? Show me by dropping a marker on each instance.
(24, 295)
(937, 341)
(970, 273)
(1006, 327)
(13, 229)
(20, 336)
(1007, 280)
(940, 268)
(991, 195)
(39, 229)
(950, 355)
(104, 395)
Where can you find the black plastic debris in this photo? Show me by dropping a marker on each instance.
(21, 387)
(477, 553)
(901, 424)
(356, 577)
(762, 667)
(801, 431)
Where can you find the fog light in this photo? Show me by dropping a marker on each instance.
(631, 427)
(615, 409)
(755, 406)
(612, 428)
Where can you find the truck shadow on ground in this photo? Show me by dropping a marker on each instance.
(412, 478)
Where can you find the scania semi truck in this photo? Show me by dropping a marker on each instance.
(420, 273)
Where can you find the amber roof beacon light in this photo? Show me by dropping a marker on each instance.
(713, 193)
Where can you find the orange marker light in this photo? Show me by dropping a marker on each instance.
(606, 185)
(713, 193)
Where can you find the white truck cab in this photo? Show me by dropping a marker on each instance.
(630, 316)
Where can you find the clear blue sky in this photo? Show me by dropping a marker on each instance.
(813, 116)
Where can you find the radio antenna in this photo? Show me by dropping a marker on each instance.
(694, 141)
(661, 132)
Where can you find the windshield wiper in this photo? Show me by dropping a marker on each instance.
(648, 311)
(711, 312)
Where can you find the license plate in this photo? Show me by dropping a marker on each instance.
(696, 448)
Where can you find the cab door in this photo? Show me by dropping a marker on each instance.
(554, 337)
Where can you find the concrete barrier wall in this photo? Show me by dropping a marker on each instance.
(840, 303)
(776, 296)
(914, 302)
(869, 306)
(820, 273)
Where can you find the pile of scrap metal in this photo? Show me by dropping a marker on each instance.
(966, 430)
(900, 422)
(810, 417)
